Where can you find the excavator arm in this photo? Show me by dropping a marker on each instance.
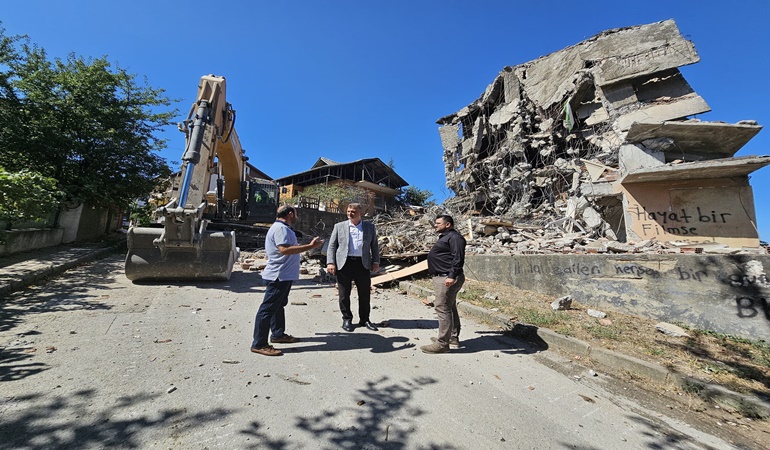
(184, 248)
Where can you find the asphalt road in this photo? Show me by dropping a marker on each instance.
(90, 360)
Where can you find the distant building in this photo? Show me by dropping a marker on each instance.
(380, 182)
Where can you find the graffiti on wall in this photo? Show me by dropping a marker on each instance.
(571, 269)
(683, 222)
(752, 278)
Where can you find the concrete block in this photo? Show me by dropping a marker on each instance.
(676, 109)
(620, 362)
(619, 94)
(748, 406)
(486, 315)
(565, 344)
(17, 241)
(636, 51)
(632, 157)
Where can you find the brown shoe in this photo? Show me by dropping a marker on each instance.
(285, 339)
(267, 351)
(453, 342)
(434, 348)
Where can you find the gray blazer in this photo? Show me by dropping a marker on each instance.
(337, 252)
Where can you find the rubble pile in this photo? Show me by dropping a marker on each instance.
(533, 146)
(406, 235)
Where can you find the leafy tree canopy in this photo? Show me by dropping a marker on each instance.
(337, 192)
(415, 196)
(83, 122)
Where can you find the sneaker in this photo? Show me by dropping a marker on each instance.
(453, 342)
(434, 348)
(267, 351)
(285, 339)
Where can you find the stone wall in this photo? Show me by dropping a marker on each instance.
(18, 241)
(723, 293)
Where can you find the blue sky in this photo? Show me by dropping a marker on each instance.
(352, 79)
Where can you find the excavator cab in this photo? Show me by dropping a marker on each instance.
(191, 246)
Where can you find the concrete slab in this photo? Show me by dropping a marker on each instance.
(717, 139)
(699, 170)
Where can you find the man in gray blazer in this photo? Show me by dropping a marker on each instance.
(352, 255)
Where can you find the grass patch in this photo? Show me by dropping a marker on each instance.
(548, 319)
(739, 364)
(597, 331)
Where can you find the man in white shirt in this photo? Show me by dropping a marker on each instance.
(352, 255)
(280, 272)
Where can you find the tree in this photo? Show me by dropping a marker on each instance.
(414, 196)
(142, 214)
(337, 192)
(82, 122)
(26, 196)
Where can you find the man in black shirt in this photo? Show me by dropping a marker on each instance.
(445, 264)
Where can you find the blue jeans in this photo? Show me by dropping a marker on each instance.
(271, 316)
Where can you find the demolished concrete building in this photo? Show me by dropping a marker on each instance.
(600, 136)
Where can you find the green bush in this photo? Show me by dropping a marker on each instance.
(26, 196)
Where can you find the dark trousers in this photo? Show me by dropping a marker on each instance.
(271, 315)
(354, 270)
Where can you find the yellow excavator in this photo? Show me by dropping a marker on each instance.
(196, 239)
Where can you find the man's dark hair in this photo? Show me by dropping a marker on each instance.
(284, 211)
(446, 218)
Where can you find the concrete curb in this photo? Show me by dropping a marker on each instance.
(45, 270)
(747, 405)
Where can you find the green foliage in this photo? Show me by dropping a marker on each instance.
(26, 196)
(415, 196)
(337, 192)
(602, 332)
(541, 318)
(141, 215)
(83, 122)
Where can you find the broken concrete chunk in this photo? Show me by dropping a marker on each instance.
(562, 303)
(619, 247)
(671, 330)
(592, 218)
(597, 314)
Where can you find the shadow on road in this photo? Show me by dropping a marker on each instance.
(239, 282)
(413, 324)
(49, 421)
(382, 415)
(495, 341)
(75, 295)
(377, 343)
(14, 364)
(331, 342)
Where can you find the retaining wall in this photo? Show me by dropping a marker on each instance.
(17, 241)
(723, 293)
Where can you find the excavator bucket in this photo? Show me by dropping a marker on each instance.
(211, 258)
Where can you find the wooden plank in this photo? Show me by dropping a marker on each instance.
(411, 270)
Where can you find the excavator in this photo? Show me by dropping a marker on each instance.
(196, 236)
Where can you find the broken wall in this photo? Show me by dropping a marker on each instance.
(693, 211)
(543, 130)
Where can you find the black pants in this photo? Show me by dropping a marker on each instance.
(354, 270)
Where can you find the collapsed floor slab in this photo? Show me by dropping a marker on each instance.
(560, 137)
